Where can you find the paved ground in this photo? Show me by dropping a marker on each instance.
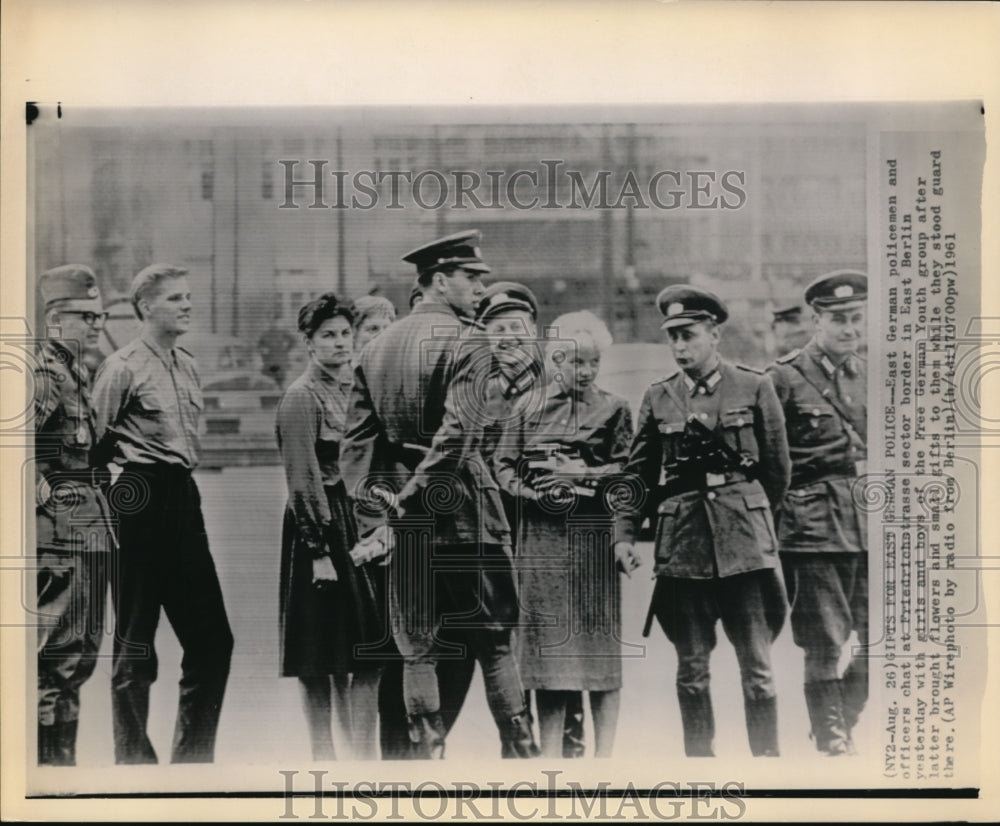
(262, 721)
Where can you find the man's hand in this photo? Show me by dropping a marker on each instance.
(323, 571)
(627, 559)
(375, 545)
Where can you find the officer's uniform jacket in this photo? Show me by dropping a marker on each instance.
(725, 526)
(416, 422)
(71, 511)
(148, 404)
(826, 414)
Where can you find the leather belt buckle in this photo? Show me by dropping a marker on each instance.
(714, 480)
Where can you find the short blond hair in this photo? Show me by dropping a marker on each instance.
(580, 324)
(148, 280)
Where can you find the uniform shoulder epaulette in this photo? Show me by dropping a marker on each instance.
(749, 369)
(788, 357)
(667, 377)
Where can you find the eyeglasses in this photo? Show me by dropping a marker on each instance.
(88, 316)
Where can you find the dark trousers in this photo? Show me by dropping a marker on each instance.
(828, 593)
(469, 592)
(752, 609)
(164, 561)
(72, 592)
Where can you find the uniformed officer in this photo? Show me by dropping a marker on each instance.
(73, 529)
(710, 447)
(821, 530)
(148, 400)
(415, 428)
(790, 328)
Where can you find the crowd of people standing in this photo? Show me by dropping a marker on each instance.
(461, 491)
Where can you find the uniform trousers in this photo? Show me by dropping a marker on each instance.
(752, 609)
(469, 590)
(828, 592)
(72, 596)
(164, 562)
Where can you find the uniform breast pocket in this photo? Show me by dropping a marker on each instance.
(670, 435)
(737, 425)
(812, 420)
(154, 405)
(196, 399)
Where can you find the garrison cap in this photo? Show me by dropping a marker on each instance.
(838, 290)
(682, 304)
(789, 312)
(70, 282)
(458, 250)
(506, 295)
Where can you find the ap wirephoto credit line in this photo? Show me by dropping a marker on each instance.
(642, 444)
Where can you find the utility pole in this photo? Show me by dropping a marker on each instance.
(341, 258)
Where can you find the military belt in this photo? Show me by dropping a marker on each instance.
(690, 482)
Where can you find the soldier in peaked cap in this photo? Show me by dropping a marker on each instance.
(73, 529)
(788, 323)
(711, 450)
(821, 530)
(415, 430)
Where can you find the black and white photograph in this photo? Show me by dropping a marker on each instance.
(361, 450)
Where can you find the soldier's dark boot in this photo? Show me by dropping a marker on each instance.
(65, 743)
(47, 745)
(699, 722)
(854, 695)
(427, 733)
(517, 738)
(573, 742)
(826, 717)
(762, 725)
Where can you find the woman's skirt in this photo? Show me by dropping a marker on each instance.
(338, 628)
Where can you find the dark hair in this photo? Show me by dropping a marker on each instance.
(327, 306)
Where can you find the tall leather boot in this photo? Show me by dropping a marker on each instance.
(854, 694)
(762, 725)
(826, 717)
(65, 743)
(47, 745)
(573, 742)
(699, 722)
(517, 738)
(427, 735)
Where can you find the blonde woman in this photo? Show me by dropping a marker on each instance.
(554, 459)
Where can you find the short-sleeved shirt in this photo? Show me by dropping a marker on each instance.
(148, 402)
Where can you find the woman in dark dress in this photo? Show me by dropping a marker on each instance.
(328, 604)
(555, 459)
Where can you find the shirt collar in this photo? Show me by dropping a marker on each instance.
(848, 366)
(705, 385)
(168, 357)
(334, 379)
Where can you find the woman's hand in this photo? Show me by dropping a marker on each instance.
(323, 571)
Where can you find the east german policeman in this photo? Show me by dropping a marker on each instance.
(821, 529)
(415, 427)
(73, 529)
(711, 450)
